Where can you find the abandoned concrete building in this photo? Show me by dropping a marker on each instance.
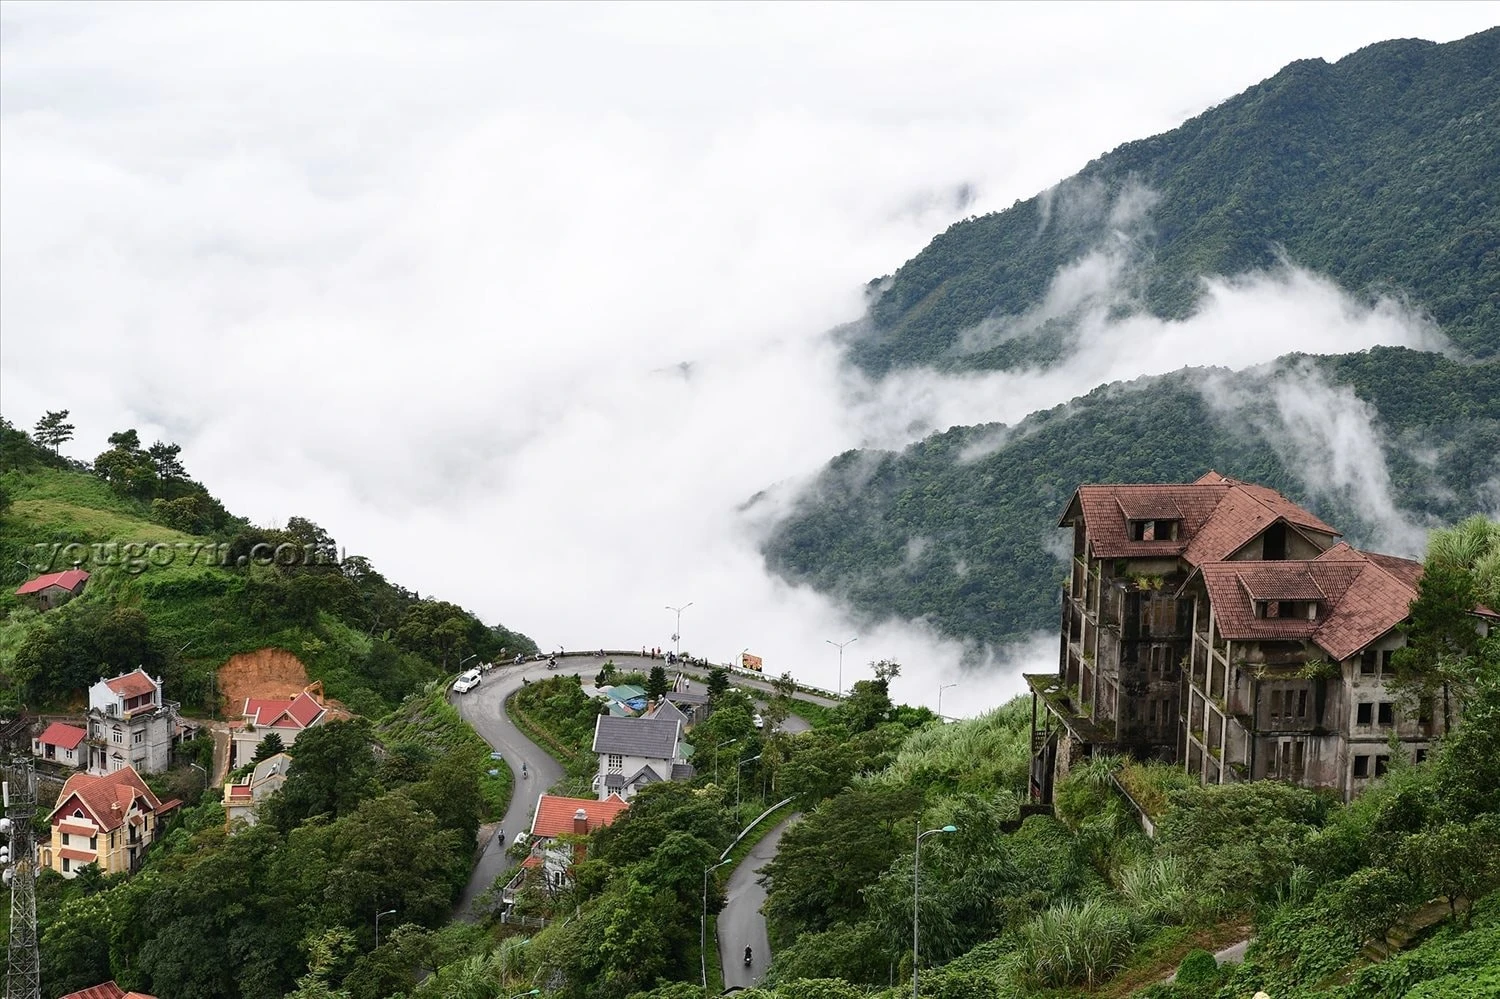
(1219, 626)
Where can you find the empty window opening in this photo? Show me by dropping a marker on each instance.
(1361, 766)
(1382, 764)
(1367, 662)
(1365, 714)
(1273, 548)
(1387, 713)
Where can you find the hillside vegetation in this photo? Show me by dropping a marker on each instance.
(178, 586)
(960, 529)
(1377, 171)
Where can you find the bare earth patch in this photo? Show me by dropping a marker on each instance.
(267, 672)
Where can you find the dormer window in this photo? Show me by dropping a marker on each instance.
(1153, 530)
(1287, 610)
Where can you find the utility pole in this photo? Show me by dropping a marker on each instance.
(840, 647)
(23, 975)
(677, 630)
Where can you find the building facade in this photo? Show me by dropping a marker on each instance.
(107, 820)
(62, 744)
(287, 717)
(1219, 626)
(242, 799)
(635, 752)
(130, 724)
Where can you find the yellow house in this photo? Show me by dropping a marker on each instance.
(108, 820)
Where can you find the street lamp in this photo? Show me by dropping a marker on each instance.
(716, 756)
(466, 659)
(377, 925)
(940, 698)
(205, 775)
(840, 647)
(915, 898)
(703, 921)
(677, 631)
(737, 772)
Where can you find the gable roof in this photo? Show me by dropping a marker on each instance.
(133, 684)
(645, 775)
(279, 712)
(554, 814)
(108, 990)
(652, 738)
(63, 735)
(1215, 516)
(68, 580)
(107, 799)
(665, 709)
(1360, 598)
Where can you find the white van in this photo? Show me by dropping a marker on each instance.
(466, 681)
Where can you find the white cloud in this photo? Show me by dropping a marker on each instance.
(524, 302)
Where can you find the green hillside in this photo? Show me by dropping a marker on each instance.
(1379, 171)
(169, 590)
(958, 529)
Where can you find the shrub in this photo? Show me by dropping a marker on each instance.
(1197, 968)
(1075, 943)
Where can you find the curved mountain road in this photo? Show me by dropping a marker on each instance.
(741, 921)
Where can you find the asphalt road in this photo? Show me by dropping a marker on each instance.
(741, 922)
(483, 708)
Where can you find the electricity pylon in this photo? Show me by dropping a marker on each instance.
(23, 975)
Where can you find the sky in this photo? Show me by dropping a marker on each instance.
(525, 302)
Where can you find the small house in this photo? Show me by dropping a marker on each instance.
(61, 743)
(54, 589)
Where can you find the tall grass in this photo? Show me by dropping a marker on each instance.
(1157, 891)
(976, 755)
(1075, 943)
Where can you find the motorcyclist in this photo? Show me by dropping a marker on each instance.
(747, 955)
(524, 774)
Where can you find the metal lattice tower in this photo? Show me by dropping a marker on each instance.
(23, 976)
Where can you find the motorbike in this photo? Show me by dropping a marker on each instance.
(524, 774)
(552, 664)
(747, 957)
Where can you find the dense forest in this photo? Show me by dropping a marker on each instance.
(959, 529)
(1377, 171)
(216, 585)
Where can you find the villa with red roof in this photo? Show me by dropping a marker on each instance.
(54, 588)
(557, 826)
(108, 990)
(288, 717)
(108, 820)
(1221, 627)
(130, 724)
(61, 743)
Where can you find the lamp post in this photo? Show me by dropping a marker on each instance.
(840, 647)
(466, 659)
(205, 775)
(377, 925)
(916, 862)
(716, 756)
(703, 922)
(677, 630)
(940, 698)
(738, 771)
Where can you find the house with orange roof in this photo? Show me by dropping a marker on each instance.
(1219, 626)
(288, 717)
(54, 588)
(109, 990)
(242, 798)
(130, 724)
(558, 827)
(107, 820)
(61, 743)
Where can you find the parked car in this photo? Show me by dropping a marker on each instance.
(758, 721)
(466, 681)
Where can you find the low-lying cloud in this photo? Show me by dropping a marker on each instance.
(525, 306)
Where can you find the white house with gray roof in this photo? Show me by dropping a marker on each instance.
(634, 752)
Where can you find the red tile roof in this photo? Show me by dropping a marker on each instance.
(63, 735)
(297, 712)
(1216, 516)
(67, 580)
(109, 990)
(100, 795)
(1360, 598)
(554, 814)
(132, 684)
(87, 856)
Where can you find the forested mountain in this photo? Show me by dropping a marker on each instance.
(959, 529)
(1379, 171)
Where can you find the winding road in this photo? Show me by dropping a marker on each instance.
(741, 921)
(484, 709)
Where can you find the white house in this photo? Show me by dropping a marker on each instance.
(61, 743)
(288, 717)
(130, 725)
(634, 752)
(242, 799)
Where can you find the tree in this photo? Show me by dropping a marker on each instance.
(165, 461)
(885, 671)
(332, 772)
(53, 431)
(656, 685)
(268, 747)
(1458, 860)
(718, 683)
